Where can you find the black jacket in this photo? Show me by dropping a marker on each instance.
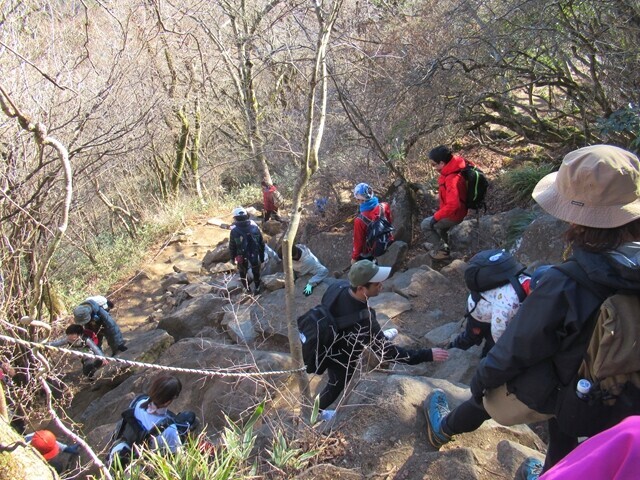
(103, 323)
(350, 343)
(543, 346)
(246, 239)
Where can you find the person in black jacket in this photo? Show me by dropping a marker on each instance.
(596, 190)
(246, 247)
(365, 281)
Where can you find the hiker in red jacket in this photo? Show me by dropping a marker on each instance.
(271, 200)
(370, 208)
(452, 190)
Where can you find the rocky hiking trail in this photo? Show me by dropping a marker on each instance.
(176, 312)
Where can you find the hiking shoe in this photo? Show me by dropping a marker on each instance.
(440, 255)
(390, 333)
(531, 469)
(257, 290)
(436, 408)
(326, 415)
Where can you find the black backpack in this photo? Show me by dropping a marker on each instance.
(491, 269)
(378, 236)
(318, 328)
(248, 245)
(477, 186)
(130, 431)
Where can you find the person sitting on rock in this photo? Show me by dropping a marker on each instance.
(246, 248)
(45, 442)
(95, 318)
(452, 192)
(306, 263)
(365, 282)
(82, 338)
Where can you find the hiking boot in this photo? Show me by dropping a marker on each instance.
(531, 469)
(436, 408)
(440, 255)
(257, 290)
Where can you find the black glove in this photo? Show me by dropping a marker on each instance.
(477, 391)
(432, 222)
(122, 348)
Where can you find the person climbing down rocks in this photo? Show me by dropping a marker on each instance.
(86, 340)
(538, 368)
(148, 421)
(95, 318)
(365, 281)
(46, 443)
(306, 263)
(372, 227)
(452, 193)
(246, 248)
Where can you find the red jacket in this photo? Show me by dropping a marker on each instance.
(452, 190)
(360, 229)
(268, 202)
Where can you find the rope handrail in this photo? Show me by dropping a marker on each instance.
(134, 363)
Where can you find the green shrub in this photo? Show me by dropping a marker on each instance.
(520, 181)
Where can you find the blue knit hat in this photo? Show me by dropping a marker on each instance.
(363, 191)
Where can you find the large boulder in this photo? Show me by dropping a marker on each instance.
(403, 205)
(210, 396)
(193, 315)
(490, 231)
(542, 241)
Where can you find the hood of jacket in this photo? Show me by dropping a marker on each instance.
(617, 269)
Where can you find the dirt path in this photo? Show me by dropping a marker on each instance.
(136, 297)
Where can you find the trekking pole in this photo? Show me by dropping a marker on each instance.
(218, 223)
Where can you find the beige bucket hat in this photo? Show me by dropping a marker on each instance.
(597, 186)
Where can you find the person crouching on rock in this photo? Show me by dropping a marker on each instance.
(95, 318)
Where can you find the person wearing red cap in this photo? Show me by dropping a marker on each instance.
(49, 447)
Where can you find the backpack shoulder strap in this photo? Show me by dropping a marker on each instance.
(517, 286)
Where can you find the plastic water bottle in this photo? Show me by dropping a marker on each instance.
(582, 389)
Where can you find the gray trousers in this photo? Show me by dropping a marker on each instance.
(439, 233)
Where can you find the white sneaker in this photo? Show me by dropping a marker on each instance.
(326, 415)
(390, 333)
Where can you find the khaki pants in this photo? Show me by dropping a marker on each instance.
(507, 410)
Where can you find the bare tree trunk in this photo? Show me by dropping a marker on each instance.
(308, 166)
(181, 153)
(195, 153)
(43, 140)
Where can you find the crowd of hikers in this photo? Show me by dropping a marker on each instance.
(560, 342)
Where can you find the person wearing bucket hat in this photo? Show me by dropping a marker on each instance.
(95, 318)
(365, 282)
(532, 370)
(373, 220)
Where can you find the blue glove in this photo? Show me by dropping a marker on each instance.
(72, 450)
(308, 290)
(432, 222)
